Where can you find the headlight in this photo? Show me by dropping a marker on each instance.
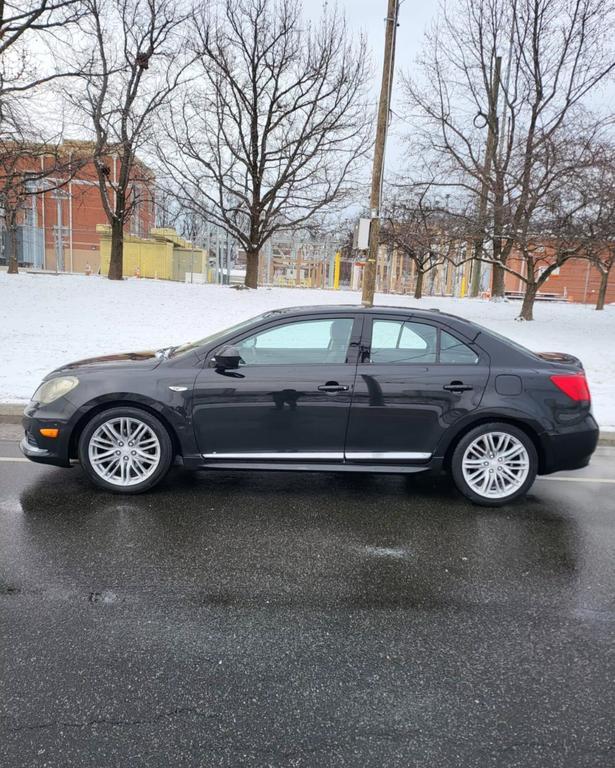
(54, 388)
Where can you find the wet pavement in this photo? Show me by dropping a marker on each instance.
(275, 619)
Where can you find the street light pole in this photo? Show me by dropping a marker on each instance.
(369, 272)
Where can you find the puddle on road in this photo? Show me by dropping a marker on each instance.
(396, 553)
(106, 597)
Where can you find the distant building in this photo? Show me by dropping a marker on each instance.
(162, 255)
(576, 280)
(57, 228)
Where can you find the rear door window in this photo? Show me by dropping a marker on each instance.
(405, 341)
(398, 341)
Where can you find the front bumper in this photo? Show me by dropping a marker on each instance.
(40, 455)
(47, 450)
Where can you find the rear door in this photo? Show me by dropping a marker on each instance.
(414, 381)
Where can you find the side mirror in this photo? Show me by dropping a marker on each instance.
(228, 358)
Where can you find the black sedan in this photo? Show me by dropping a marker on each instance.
(338, 388)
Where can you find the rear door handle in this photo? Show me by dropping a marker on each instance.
(457, 386)
(333, 387)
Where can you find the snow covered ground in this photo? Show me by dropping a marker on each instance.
(46, 320)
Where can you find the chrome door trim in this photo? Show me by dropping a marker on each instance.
(322, 455)
(288, 455)
(387, 455)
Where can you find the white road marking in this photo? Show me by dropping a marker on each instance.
(13, 458)
(580, 479)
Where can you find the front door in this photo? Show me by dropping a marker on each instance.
(290, 397)
(414, 381)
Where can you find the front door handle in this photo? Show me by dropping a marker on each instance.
(457, 386)
(333, 386)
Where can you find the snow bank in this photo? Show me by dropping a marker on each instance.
(46, 320)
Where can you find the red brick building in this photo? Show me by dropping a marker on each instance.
(576, 280)
(57, 228)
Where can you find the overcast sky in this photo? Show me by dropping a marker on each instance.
(368, 16)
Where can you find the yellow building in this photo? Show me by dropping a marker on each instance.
(163, 255)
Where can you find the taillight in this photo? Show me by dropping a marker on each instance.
(572, 384)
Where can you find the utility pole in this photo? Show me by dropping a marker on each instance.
(369, 272)
(492, 133)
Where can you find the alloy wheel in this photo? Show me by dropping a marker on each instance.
(495, 465)
(124, 451)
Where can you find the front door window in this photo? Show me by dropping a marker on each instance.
(308, 342)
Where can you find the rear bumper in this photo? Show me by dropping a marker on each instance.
(571, 448)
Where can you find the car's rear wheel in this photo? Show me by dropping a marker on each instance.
(494, 464)
(125, 450)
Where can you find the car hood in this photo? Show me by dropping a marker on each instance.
(147, 360)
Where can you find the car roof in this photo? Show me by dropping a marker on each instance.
(466, 327)
(326, 308)
(308, 309)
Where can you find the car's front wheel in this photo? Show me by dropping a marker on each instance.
(494, 464)
(125, 450)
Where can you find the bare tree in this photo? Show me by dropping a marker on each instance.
(599, 220)
(424, 233)
(539, 257)
(604, 261)
(553, 53)
(274, 129)
(167, 207)
(28, 168)
(22, 25)
(29, 162)
(133, 63)
(26, 16)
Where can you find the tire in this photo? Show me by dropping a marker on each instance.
(494, 464)
(124, 465)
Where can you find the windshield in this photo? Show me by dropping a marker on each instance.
(208, 340)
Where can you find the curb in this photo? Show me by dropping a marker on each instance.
(11, 413)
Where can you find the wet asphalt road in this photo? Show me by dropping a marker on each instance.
(305, 620)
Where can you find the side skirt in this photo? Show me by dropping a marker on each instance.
(292, 466)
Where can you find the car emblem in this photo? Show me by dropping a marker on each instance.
(177, 388)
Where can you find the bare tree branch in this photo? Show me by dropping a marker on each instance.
(554, 52)
(274, 128)
(131, 64)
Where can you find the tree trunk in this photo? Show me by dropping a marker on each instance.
(497, 282)
(11, 241)
(251, 280)
(527, 308)
(476, 271)
(418, 288)
(116, 262)
(604, 284)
